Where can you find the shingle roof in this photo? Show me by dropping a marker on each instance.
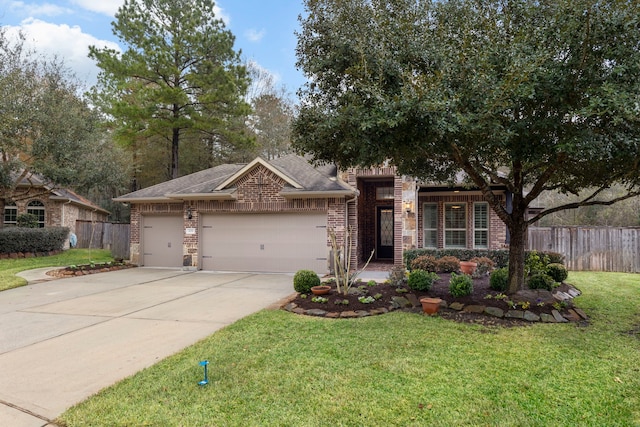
(205, 184)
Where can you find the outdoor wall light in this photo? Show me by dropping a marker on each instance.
(189, 213)
(408, 206)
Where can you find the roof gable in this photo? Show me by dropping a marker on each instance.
(258, 161)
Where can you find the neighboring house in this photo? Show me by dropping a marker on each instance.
(276, 216)
(52, 206)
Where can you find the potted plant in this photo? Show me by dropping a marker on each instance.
(320, 289)
(468, 267)
(430, 305)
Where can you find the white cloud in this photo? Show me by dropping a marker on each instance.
(106, 7)
(67, 43)
(254, 35)
(44, 9)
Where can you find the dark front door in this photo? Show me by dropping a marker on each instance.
(384, 233)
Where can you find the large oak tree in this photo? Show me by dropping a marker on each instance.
(535, 95)
(179, 77)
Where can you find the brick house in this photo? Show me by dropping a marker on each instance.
(276, 216)
(52, 206)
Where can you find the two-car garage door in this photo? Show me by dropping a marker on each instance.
(282, 242)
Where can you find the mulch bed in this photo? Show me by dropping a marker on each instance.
(440, 289)
(82, 270)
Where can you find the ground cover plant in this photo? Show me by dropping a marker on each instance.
(397, 369)
(10, 267)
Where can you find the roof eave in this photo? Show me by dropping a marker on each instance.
(316, 194)
(204, 196)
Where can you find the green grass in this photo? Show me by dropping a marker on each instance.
(10, 267)
(399, 369)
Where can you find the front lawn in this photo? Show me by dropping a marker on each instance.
(398, 369)
(10, 267)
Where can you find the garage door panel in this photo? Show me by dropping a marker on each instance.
(162, 241)
(265, 242)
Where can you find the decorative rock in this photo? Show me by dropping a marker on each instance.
(494, 311)
(290, 306)
(561, 296)
(316, 312)
(581, 313)
(574, 293)
(572, 316)
(556, 315)
(547, 318)
(348, 314)
(514, 314)
(299, 310)
(377, 311)
(531, 317)
(474, 308)
(363, 313)
(400, 302)
(456, 306)
(413, 300)
(333, 315)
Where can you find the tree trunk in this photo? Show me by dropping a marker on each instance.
(518, 234)
(175, 140)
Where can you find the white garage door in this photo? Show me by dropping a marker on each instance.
(162, 241)
(280, 242)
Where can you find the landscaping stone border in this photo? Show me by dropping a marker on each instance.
(409, 302)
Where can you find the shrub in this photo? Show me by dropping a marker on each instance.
(396, 276)
(535, 262)
(484, 265)
(555, 257)
(424, 262)
(460, 285)
(499, 279)
(448, 264)
(304, 280)
(420, 280)
(27, 220)
(558, 272)
(34, 240)
(541, 281)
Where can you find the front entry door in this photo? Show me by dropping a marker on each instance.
(384, 233)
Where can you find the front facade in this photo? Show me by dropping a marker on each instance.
(278, 216)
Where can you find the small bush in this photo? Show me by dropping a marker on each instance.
(484, 266)
(420, 280)
(460, 285)
(541, 281)
(558, 272)
(304, 280)
(499, 279)
(535, 262)
(448, 264)
(555, 257)
(397, 276)
(424, 262)
(27, 220)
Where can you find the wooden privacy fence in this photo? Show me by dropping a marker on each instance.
(591, 248)
(104, 235)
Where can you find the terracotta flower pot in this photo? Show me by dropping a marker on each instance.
(430, 305)
(468, 267)
(320, 290)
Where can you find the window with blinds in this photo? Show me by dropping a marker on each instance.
(430, 225)
(481, 225)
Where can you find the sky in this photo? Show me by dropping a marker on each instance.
(264, 31)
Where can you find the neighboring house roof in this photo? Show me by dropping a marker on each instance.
(66, 195)
(219, 183)
(60, 194)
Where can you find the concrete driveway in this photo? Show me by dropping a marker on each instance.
(63, 340)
